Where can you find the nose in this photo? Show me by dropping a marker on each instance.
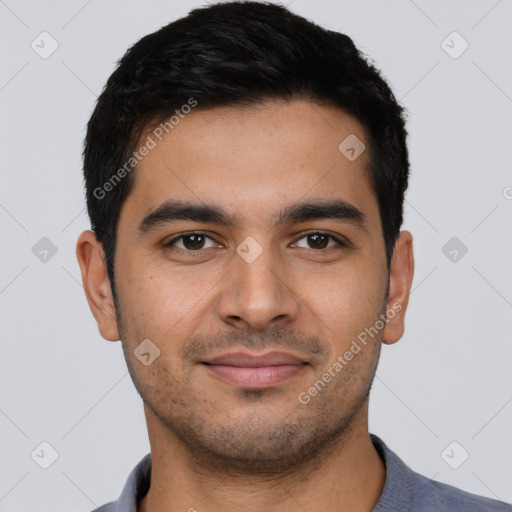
(258, 295)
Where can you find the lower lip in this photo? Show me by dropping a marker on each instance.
(255, 378)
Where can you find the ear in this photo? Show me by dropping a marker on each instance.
(400, 281)
(91, 258)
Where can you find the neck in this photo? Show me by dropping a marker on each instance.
(348, 476)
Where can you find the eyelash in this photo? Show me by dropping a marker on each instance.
(184, 235)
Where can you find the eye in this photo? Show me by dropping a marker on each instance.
(191, 242)
(319, 241)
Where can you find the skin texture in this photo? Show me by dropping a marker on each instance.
(216, 446)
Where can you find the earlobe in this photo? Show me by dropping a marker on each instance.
(90, 255)
(400, 281)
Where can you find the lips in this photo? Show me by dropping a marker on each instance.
(254, 361)
(253, 371)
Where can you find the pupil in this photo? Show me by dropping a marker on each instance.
(316, 238)
(193, 241)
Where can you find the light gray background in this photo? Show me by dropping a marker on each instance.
(448, 379)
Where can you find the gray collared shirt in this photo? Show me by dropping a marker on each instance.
(404, 490)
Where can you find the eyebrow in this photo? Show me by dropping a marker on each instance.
(175, 210)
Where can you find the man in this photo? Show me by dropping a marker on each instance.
(245, 173)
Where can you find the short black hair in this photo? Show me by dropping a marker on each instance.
(238, 53)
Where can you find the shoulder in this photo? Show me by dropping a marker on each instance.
(136, 486)
(450, 498)
(406, 490)
(108, 507)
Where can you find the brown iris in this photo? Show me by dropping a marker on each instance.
(318, 241)
(194, 241)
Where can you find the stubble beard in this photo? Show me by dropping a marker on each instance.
(275, 444)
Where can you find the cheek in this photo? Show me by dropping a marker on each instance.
(344, 298)
(161, 305)
(344, 302)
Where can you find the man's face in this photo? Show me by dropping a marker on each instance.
(303, 285)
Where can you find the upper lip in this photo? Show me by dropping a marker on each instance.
(244, 359)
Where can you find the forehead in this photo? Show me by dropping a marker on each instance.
(254, 160)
